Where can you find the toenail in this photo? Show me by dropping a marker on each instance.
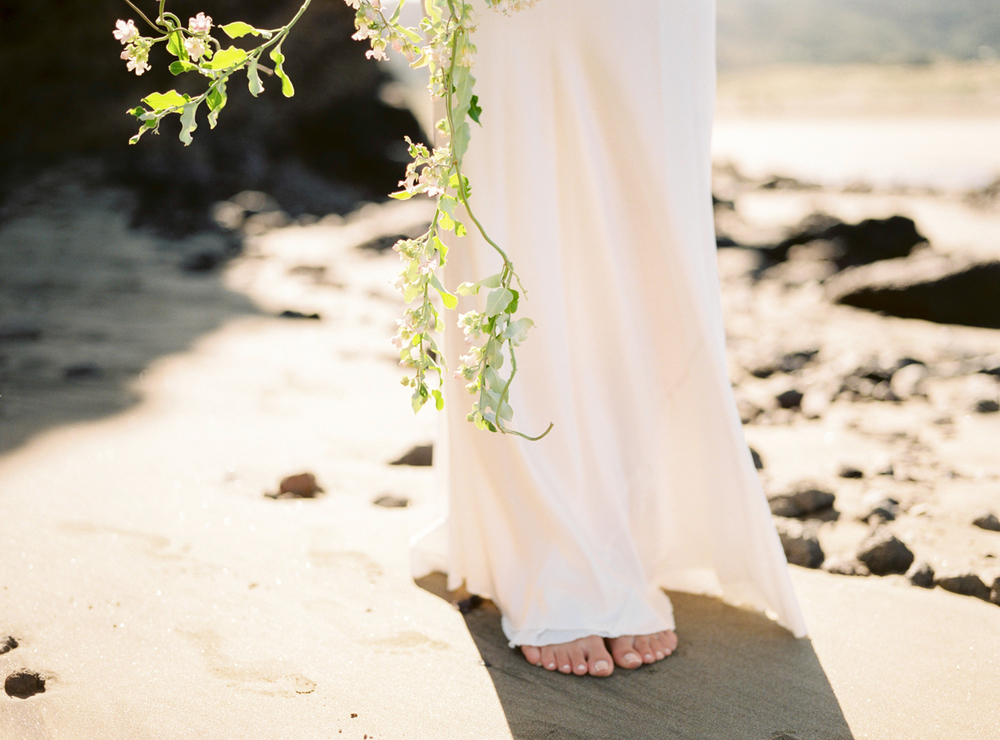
(632, 658)
(601, 665)
(649, 657)
(550, 666)
(582, 667)
(659, 655)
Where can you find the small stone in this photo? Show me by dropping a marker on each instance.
(987, 520)
(757, 461)
(987, 406)
(298, 315)
(790, 399)
(885, 509)
(7, 643)
(995, 591)
(846, 567)
(389, 501)
(921, 574)
(804, 498)
(849, 471)
(794, 361)
(419, 456)
(800, 544)
(884, 554)
(466, 606)
(22, 684)
(303, 485)
(965, 584)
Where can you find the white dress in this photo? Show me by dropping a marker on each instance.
(593, 170)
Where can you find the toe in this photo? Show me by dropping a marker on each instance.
(548, 658)
(623, 652)
(563, 663)
(644, 649)
(659, 646)
(670, 640)
(599, 660)
(532, 654)
(577, 659)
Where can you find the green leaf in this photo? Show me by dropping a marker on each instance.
(401, 195)
(460, 140)
(238, 29)
(497, 301)
(188, 123)
(512, 308)
(175, 45)
(438, 400)
(227, 58)
(287, 89)
(253, 78)
(517, 331)
(216, 100)
(165, 101)
(474, 110)
(179, 67)
(493, 281)
(494, 354)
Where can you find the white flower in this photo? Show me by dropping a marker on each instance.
(376, 54)
(125, 31)
(200, 24)
(138, 59)
(196, 48)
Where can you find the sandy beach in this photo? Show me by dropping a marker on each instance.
(148, 408)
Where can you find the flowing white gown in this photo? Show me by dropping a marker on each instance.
(592, 168)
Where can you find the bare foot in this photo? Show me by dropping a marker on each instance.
(583, 656)
(632, 651)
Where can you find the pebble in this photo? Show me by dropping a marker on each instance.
(420, 456)
(805, 498)
(987, 406)
(987, 520)
(800, 544)
(790, 399)
(965, 584)
(389, 501)
(883, 553)
(7, 643)
(302, 485)
(288, 314)
(23, 684)
(884, 509)
(995, 591)
(849, 471)
(921, 574)
(757, 461)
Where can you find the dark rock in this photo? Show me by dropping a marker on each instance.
(995, 591)
(723, 242)
(987, 406)
(849, 471)
(868, 241)
(419, 456)
(466, 606)
(302, 485)
(884, 554)
(800, 544)
(781, 182)
(7, 643)
(23, 330)
(389, 501)
(987, 520)
(298, 315)
(846, 567)
(790, 399)
(883, 510)
(23, 684)
(757, 461)
(794, 361)
(202, 262)
(965, 584)
(921, 574)
(944, 290)
(82, 371)
(805, 498)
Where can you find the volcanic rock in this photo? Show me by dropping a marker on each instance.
(846, 567)
(7, 643)
(859, 244)
(921, 574)
(790, 399)
(884, 554)
(799, 543)
(420, 456)
(987, 520)
(805, 498)
(302, 485)
(965, 584)
(24, 684)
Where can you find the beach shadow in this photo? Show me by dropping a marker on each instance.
(736, 676)
(87, 304)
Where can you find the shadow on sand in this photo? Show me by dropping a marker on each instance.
(735, 676)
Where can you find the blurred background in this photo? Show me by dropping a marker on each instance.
(857, 199)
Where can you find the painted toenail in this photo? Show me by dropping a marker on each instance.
(550, 666)
(632, 658)
(601, 665)
(582, 667)
(659, 655)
